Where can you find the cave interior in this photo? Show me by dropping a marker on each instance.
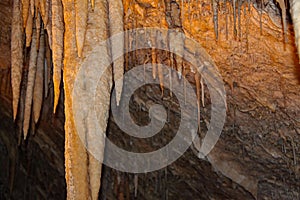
(205, 62)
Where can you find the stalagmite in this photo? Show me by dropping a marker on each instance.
(38, 84)
(30, 85)
(295, 12)
(16, 54)
(25, 8)
(57, 47)
(81, 12)
(28, 29)
(116, 25)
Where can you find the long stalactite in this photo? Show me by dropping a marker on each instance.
(16, 54)
(83, 171)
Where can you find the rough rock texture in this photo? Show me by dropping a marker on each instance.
(258, 153)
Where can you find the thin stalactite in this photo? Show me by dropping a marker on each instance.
(57, 47)
(116, 26)
(30, 85)
(16, 54)
(39, 80)
(29, 29)
(81, 12)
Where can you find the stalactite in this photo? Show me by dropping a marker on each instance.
(153, 55)
(81, 12)
(248, 2)
(37, 5)
(85, 181)
(179, 43)
(28, 30)
(127, 35)
(159, 67)
(215, 17)
(30, 85)
(25, 8)
(48, 8)
(39, 80)
(247, 27)
(170, 78)
(202, 91)
(189, 16)
(171, 57)
(38, 27)
(184, 85)
(83, 171)
(42, 9)
(47, 66)
(22, 106)
(182, 12)
(240, 2)
(76, 170)
(93, 4)
(49, 19)
(116, 25)
(198, 88)
(234, 18)
(295, 10)
(136, 184)
(130, 43)
(16, 54)
(226, 19)
(161, 78)
(32, 4)
(283, 17)
(260, 16)
(57, 47)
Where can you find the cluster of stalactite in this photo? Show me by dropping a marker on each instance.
(59, 34)
(52, 31)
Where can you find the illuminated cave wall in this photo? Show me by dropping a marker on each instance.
(257, 60)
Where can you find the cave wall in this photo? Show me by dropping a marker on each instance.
(260, 141)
